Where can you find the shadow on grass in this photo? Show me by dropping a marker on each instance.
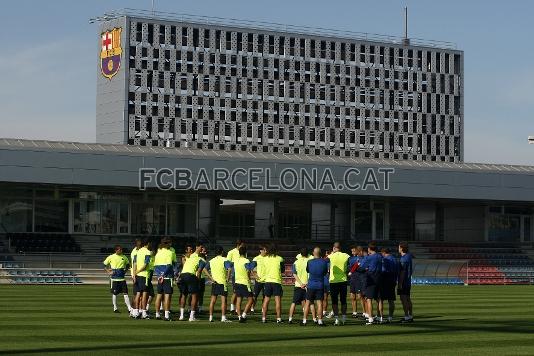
(417, 328)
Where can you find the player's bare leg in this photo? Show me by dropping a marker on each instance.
(223, 307)
(278, 307)
(391, 304)
(167, 306)
(194, 303)
(238, 306)
(291, 311)
(362, 302)
(213, 300)
(305, 311)
(157, 305)
(380, 307)
(265, 308)
(353, 303)
(243, 316)
(369, 303)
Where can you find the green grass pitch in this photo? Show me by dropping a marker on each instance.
(473, 320)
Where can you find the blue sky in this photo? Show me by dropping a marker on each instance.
(48, 61)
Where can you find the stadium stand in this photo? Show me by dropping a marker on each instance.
(73, 259)
(46, 242)
(487, 263)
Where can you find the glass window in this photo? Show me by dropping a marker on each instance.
(97, 216)
(148, 218)
(181, 219)
(236, 218)
(86, 216)
(363, 225)
(379, 225)
(108, 215)
(123, 218)
(504, 228)
(526, 229)
(294, 221)
(15, 215)
(51, 216)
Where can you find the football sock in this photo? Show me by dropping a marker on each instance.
(181, 312)
(127, 302)
(232, 307)
(192, 315)
(167, 314)
(114, 299)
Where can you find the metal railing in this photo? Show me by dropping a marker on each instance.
(269, 26)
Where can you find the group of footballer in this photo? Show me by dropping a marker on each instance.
(369, 275)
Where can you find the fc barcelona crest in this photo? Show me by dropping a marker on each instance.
(111, 53)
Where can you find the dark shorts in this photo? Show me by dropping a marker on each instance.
(405, 290)
(242, 291)
(189, 284)
(218, 289)
(387, 287)
(314, 294)
(273, 290)
(119, 287)
(134, 287)
(372, 286)
(356, 285)
(338, 290)
(140, 285)
(299, 295)
(259, 287)
(165, 287)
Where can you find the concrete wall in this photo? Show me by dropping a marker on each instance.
(111, 94)
(95, 166)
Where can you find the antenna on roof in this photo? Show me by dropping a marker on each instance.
(153, 8)
(406, 40)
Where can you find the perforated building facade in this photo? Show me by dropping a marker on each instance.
(246, 88)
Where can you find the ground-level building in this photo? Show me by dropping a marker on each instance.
(94, 189)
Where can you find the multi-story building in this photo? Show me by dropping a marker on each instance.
(203, 83)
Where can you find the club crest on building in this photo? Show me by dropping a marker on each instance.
(110, 52)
